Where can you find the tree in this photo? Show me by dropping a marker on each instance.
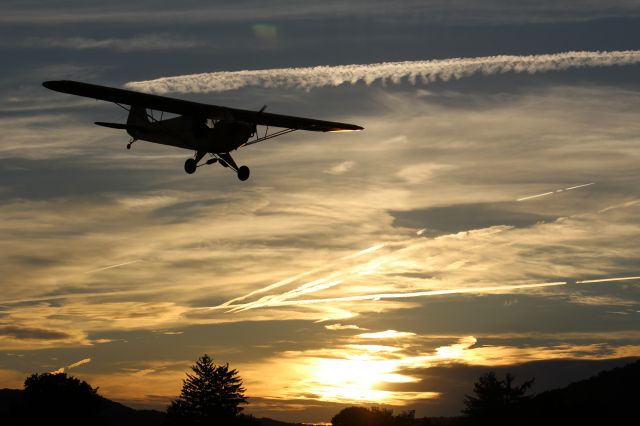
(495, 400)
(59, 399)
(360, 416)
(211, 395)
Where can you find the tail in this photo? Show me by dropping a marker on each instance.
(137, 119)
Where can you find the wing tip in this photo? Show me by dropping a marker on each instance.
(351, 128)
(58, 85)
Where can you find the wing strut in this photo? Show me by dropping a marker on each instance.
(269, 136)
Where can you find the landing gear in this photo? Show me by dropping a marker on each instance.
(190, 166)
(225, 160)
(243, 173)
(131, 143)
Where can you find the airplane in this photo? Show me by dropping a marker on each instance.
(202, 128)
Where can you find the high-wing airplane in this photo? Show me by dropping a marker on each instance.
(202, 128)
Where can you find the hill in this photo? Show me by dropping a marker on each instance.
(608, 398)
(112, 412)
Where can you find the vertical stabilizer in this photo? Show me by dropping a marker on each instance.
(137, 117)
(137, 121)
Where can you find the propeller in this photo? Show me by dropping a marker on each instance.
(255, 126)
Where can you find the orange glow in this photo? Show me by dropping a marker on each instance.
(359, 378)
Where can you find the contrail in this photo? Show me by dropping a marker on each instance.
(79, 363)
(426, 71)
(277, 301)
(113, 266)
(604, 280)
(312, 287)
(295, 278)
(380, 296)
(535, 196)
(571, 188)
(69, 367)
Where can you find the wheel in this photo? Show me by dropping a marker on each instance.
(243, 173)
(190, 166)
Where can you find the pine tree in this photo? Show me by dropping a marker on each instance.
(211, 395)
(495, 400)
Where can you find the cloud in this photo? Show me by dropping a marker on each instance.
(340, 168)
(208, 240)
(435, 12)
(399, 374)
(32, 333)
(387, 334)
(422, 172)
(424, 72)
(145, 42)
(342, 327)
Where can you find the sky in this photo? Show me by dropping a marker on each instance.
(487, 218)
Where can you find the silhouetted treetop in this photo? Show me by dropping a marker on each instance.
(495, 400)
(361, 416)
(60, 399)
(211, 395)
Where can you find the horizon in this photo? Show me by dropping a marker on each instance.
(486, 218)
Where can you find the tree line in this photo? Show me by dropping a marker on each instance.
(213, 395)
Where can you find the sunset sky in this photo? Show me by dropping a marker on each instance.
(488, 217)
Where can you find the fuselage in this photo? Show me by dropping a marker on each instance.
(189, 133)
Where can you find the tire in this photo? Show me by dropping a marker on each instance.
(190, 166)
(243, 173)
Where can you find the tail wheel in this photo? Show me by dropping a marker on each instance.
(243, 173)
(190, 166)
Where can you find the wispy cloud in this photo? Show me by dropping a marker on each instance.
(342, 327)
(411, 11)
(280, 237)
(340, 168)
(143, 42)
(387, 334)
(387, 72)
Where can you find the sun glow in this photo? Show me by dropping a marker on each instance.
(357, 378)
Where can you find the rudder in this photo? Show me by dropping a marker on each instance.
(137, 116)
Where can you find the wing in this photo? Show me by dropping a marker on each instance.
(195, 109)
(291, 122)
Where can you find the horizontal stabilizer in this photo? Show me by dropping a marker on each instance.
(112, 125)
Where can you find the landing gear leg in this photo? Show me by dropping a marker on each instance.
(131, 143)
(226, 160)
